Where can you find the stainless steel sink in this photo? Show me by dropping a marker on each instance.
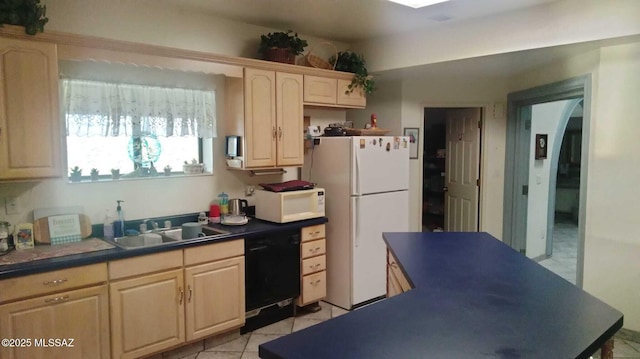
(162, 237)
(176, 233)
(143, 240)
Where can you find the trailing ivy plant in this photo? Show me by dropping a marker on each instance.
(348, 61)
(27, 13)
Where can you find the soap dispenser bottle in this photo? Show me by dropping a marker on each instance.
(118, 224)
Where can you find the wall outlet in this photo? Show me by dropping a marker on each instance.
(249, 190)
(11, 205)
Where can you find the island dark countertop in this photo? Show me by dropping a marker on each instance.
(254, 228)
(473, 297)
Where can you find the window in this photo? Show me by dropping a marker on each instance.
(137, 129)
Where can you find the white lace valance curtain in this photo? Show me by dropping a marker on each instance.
(94, 108)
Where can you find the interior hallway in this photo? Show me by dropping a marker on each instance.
(564, 258)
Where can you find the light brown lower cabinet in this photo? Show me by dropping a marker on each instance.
(313, 265)
(147, 314)
(42, 312)
(396, 281)
(215, 297)
(201, 295)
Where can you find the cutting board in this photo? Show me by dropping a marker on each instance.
(41, 229)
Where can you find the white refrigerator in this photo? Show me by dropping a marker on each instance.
(366, 182)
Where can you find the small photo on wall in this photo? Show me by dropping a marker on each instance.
(413, 134)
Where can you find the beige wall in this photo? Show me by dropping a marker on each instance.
(146, 23)
(612, 243)
(611, 248)
(484, 92)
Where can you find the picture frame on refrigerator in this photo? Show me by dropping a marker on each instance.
(414, 140)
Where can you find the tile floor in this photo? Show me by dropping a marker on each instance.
(564, 259)
(246, 346)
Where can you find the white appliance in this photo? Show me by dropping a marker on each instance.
(367, 183)
(283, 207)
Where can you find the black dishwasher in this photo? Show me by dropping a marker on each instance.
(272, 277)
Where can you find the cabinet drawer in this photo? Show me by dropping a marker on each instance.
(314, 288)
(50, 282)
(313, 264)
(312, 249)
(145, 264)
(213, 252)
(313, 232)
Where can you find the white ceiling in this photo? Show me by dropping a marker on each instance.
(357, 20)
(347, 20)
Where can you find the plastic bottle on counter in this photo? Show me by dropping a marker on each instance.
(108, 225)
(118, 224)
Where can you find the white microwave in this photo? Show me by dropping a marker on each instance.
(290, 206)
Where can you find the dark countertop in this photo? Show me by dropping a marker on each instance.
(254, 228)
(473, 297)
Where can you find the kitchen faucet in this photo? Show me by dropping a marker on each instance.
(144, 227)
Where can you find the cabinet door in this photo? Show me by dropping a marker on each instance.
(320, 90)
(29, 118)
(82, 315)
(215, 297)
(355, 98)
(289, 114)
(260, 118)
(147, 314)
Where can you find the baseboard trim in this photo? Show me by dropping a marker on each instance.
(628, 334)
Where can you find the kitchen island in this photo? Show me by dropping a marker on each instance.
(472, 297)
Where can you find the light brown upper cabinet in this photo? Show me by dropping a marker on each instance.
(330, 92)
(273, 118)
(29, 117)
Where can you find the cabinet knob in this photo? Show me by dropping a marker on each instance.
(274, 132)
(315, 282)
(190, 293)
(181, 295)
(280, 133)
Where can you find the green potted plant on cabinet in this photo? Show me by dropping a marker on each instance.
(281, 46)
(94, 174)
(76, 174)
(115, 173)
(348, 61)
(27, 13)
(167, 170)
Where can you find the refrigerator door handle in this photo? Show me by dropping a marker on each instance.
(356, 225)
(357, 173)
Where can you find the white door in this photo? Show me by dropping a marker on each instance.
(380, 164)
(374, 214)
(461, 170)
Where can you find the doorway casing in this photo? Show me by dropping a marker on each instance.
(517, 155)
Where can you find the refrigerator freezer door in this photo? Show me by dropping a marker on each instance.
(374, 214)
(380, 164)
